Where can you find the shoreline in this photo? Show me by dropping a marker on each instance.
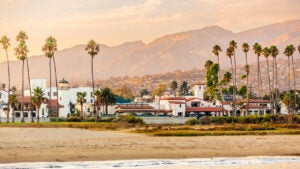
(69, 144)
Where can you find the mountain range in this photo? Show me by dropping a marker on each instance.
(184, 51)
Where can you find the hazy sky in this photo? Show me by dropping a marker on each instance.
(112, 22)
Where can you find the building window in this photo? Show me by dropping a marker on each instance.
(48, 93)
(179, 105)
(54, 93)
(91, 94)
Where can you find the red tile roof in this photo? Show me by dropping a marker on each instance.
(204, 109)
(26, 99)
(254, 107)
(173, 98)
(142, 110)
(258, 101)
(176, 102)
(134, 107)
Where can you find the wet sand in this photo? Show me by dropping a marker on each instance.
(66, 144)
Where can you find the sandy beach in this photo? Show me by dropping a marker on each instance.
(66, 144)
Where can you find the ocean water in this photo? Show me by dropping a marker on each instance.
(211, 163)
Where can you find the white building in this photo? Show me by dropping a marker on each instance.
(66, 97)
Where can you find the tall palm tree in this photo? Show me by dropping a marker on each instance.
(92, 48)
(274, 52)
(289, 51)
(37, 100)
(13, 102)
(81, 100)
(56, 83)
(229, 54)
(245, 47)
(257, 50)
(49, 48)
(216, 50)
(21, 52)
(174, 86)
(266, 54)
(233, 46)
(5, 44)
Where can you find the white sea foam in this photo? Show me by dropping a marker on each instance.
(237, 162)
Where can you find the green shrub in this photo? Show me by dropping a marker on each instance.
(60, 119)
(110, 119)
(130, 119)
(74, 119)
(90, 119)
(192, 121)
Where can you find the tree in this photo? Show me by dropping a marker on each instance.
(216, 50)
(13, 102)
(144, 92)
(21, 52)
(274, 52)
(257, 50)
(266, 52)
(233, 46)
(5, 41)
(124, 92)
(243, 91)
(107, 97)
(174, 87)
(56, 83)
(229, 53)
(184, 88)
(92, 48)
(159, 91)
(81, 100)
(49, 48)
(289, 51)
(37, 100)
(212, 81)
(98, 102)
(245, 48)
(208, 63)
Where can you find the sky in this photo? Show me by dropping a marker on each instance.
(112, 22)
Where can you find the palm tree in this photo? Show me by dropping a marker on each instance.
(159, 91)
(208, 63)
(257, 50)
(92, 48)
(98, 102)
(37, 99)
(245, 47)
(229, 54)
(107, 97)
(233, 46)
(289, 51)
(274, 52)
(13, 102)
(5, 44)
(81, 100)
(266, 52)
(216, 50)
(174, 86)
(56, 83)
(21, 52)
(49, 48)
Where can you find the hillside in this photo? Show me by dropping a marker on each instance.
(184, 51)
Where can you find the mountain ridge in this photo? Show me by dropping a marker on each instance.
(183, 50)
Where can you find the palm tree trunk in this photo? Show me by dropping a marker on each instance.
(56, 83)
(276, 81)
(158, 104)
(8, 71)
(28, 76)
(13, 114)
(289, 84)
(295, 96)
(81, 111)
(220, 90)
(106, 109)
(38, 114)
(269, 83)
(233, 86)
(273, 78)
(93, 85)
(258, 83)
(22, 112)
(50, 108)
(247, 85)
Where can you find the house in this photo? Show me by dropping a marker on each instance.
(256, 107)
